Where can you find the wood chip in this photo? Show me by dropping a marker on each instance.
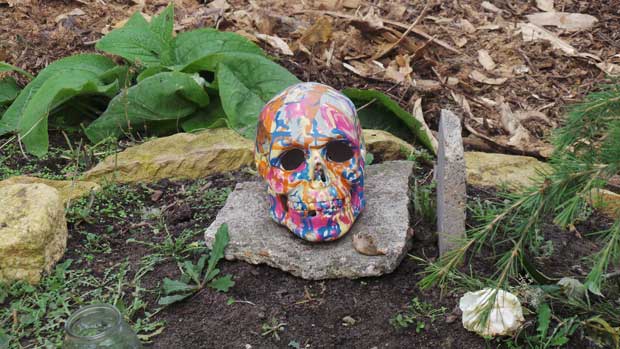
(485, 60)
(531, 32)
(563, 20)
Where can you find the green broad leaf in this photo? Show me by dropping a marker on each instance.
(544, 318)
(173, 286)
(222, 284)
(213, 116)
(163, 23)
(8, 90)
(193, 49)
(246, 83)
(136, 41)
(5, 67)
(173, 299)
(165, 96)
(32, 126)
(381, 112)
(85, 64)
(217, 251)
(148, 72)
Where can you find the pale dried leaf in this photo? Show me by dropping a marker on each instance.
(610, 69)
(74, 12)
(489, 27)
(351, 3)
(509, 121)
(460, 41)
(427, 85)
(276, 42)
(219, 4)
(480, 77)
(563, 20)
(545, 5)
(366, 245)
(490, 7)
(419, 115)
(467, 27)
(485, 60)
(531, 32)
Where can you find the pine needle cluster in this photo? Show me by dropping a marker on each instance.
(586, 157)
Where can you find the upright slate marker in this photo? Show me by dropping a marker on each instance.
(450, 175)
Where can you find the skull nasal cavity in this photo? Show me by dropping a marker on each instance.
(319, 174)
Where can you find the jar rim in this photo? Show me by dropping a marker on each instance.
(112, 310)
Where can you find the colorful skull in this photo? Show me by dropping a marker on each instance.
(310, 151)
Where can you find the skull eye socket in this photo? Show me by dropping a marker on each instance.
(291, 159)
(339, 151)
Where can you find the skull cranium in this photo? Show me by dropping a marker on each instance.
(310, 151)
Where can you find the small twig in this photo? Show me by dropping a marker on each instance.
(404, 35)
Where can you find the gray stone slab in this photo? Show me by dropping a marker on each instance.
(450, 175)
(255, 238)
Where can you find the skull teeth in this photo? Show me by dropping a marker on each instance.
(324, 207)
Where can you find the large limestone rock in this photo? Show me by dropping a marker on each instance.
(33, 231)
(68, 190)
(381, 230)
(180, 156)
(386, 145)
(493, 170)
(188, 156)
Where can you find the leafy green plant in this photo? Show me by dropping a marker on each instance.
(547, 336)
(273, 328)
(193, 279)
(418, 313)
(195, 80)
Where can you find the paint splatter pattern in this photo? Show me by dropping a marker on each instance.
(317, 195)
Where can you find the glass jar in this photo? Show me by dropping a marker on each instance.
(99, 326)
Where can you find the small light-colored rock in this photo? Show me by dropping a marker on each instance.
(256, 238)
(180, 156)
(495, 170)
(505, 318)
(33, 231)
(450, 176)
(68, 190)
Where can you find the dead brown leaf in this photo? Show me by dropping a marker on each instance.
(320, 31)
(219, 4)
(531, 32)
(399, 70)
(490, 7)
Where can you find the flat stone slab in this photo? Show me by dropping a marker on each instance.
(255, 238)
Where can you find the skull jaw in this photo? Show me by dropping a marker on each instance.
(320, 227)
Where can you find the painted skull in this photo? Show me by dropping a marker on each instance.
(310, 151)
